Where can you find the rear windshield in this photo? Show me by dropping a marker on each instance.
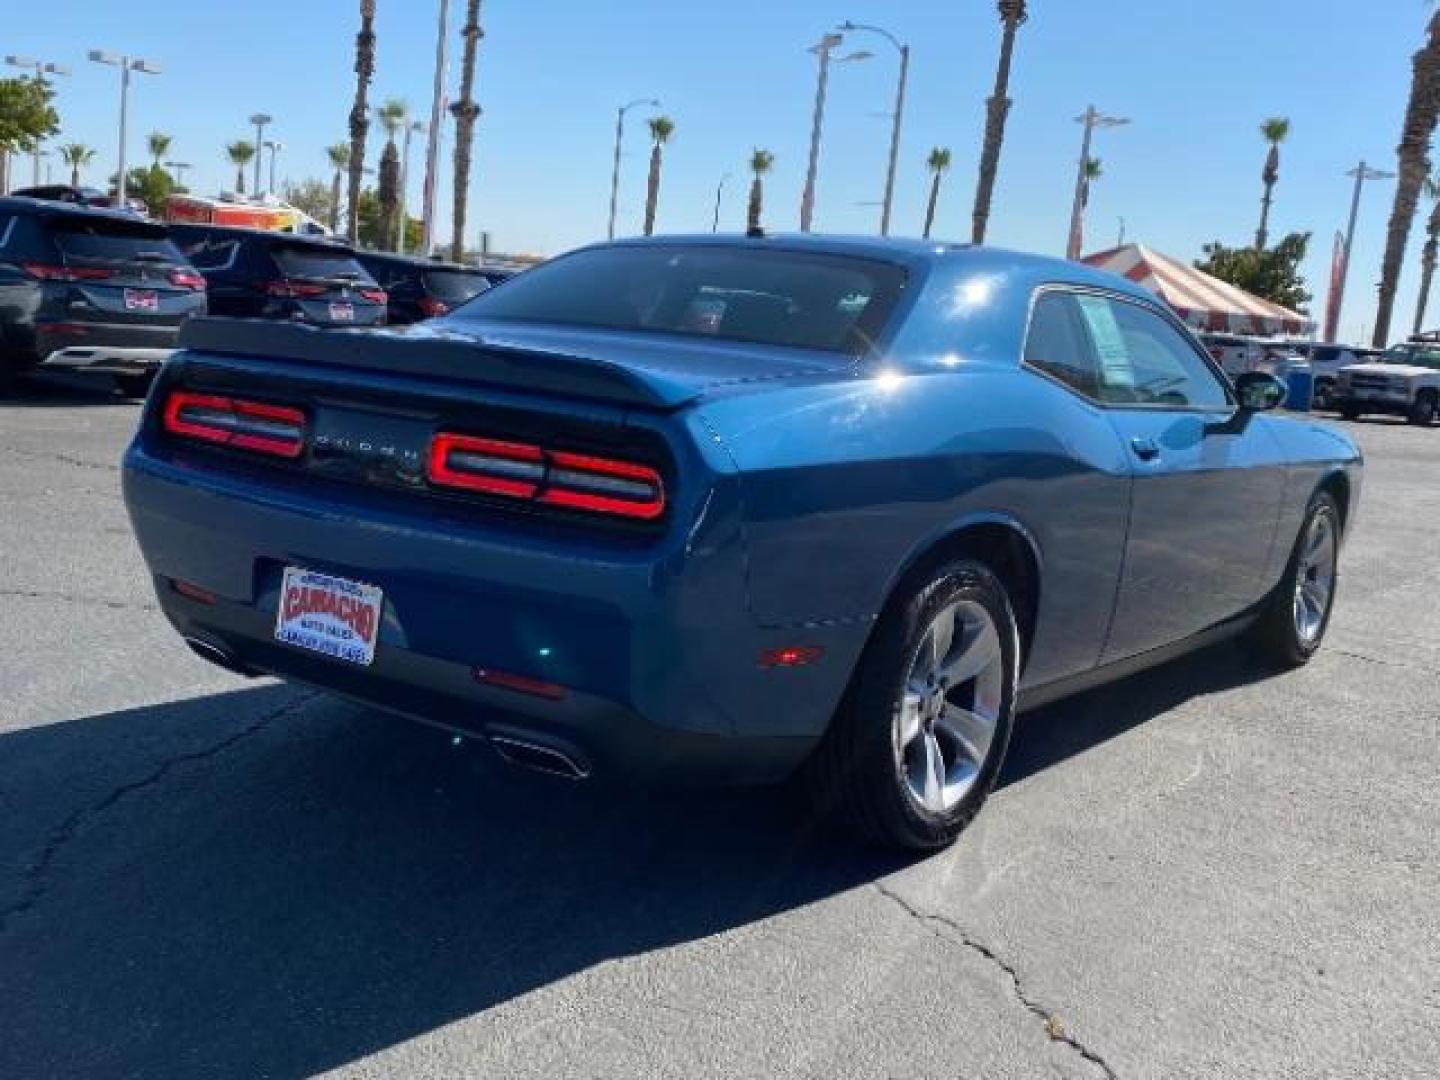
(812, 300)
(454, 286)
(113, 241)
(311, 262)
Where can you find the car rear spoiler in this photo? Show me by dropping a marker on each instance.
(441, 355)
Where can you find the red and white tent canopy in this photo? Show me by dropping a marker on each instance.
(1204, 302)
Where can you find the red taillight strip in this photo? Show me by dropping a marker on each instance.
(245, 425)
(47, 272)
(550, 477)
(375, 296)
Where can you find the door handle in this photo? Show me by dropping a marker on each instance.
(1146, 449)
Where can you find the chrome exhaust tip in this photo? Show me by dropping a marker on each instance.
(539, 757)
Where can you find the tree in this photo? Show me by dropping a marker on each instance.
(997, 109)
(339, 155)
(939, 164)
(159, 144)
(388, 192)
(1428, 255)
(359, 122)
(151, 184)
(1272, 274)
(761, 161)
(369, 217)
(314, 197)
(661, 128)
(240, 153)
(1421, 115)
(77, 156)
(26, 119)
(1275, 130)
(466, 112)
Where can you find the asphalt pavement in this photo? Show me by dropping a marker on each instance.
(1206, 871)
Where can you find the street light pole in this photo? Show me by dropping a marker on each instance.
(719, 188)
(41, 70)
(274, 148)
(259, 120)
(1361, 173)
(126, 64)
(1091, 119)
(654, 103)
(411, 127)
(178, 169)
(899, 115)
(437, 114)
(822, 49)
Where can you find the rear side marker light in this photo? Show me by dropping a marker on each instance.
(193, 592)
(790, 656)
(548, 477)
(276, 430)
(521, 684)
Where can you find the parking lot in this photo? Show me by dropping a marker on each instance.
(1204, 871)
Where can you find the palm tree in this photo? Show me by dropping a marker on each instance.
(77, 156)
(761, 162)
(339, 155)
(159, 144)
(393, 116)
(240, 152)
(466, 112)
(661, 128)
(1421, 115)
(359, 122)
(939, 164)
(997, 108)
(1275, 131)
(1429, 254)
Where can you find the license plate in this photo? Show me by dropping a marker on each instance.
(330, 615)
(142, 300)
(342, 312)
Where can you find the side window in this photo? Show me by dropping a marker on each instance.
(1143, 360)
(1056, 345)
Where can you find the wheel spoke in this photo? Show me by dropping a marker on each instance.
(933, 791)
(1315, 596)
(969, 730)
(909, 726)
(942, 637)
(981, 648)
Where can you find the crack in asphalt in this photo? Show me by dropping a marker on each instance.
(1374, 659)
(38, 870)
(76, 598)
(1054, 1029)
(64, 459)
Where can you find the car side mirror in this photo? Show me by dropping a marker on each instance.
(1259, 391)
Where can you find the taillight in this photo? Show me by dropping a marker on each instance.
(49, 272)
(293, 290)
(431, 308)
(548, 477)
(187, 279)
(277, 430)
(375, 296)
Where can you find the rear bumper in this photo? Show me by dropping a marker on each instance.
(107, 360)
(654, 646)
(110, 348)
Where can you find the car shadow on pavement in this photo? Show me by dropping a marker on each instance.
(317, 882)
(63, 391)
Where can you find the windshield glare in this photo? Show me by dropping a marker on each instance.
(811, 300)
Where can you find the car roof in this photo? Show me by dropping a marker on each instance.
(24, 204)
(241, 232)
(1019, 269)
(418, 262)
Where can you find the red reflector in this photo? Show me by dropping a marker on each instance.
(194, 592)
(432, 307)
(375, 296)
(790, 656)
(187, 279)
(277, 430)
(521, 684)
(550, 477)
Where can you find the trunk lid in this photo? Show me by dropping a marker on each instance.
(124, 272)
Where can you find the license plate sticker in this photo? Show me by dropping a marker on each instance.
(142, 300)
(330, 615)
(342, 312)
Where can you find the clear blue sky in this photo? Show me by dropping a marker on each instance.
(1196, 79)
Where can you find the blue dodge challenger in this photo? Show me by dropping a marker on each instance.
(731, 508)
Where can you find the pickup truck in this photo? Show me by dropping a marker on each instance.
(1404, 382)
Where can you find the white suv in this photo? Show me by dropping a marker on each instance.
(1404, 382)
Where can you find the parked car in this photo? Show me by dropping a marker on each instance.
(729, 508)
(90, 290)
(1237, 354)
(1326, 361)
(421, 288)
(258, 274)
(1404, 381)
(82, 196)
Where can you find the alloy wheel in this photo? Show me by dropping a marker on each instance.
(1315, 577)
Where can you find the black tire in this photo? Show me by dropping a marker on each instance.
(1349, 412)
(1324, 397)
(1422, 412)
(1276, 634)
(858, 773)
(134, 386)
